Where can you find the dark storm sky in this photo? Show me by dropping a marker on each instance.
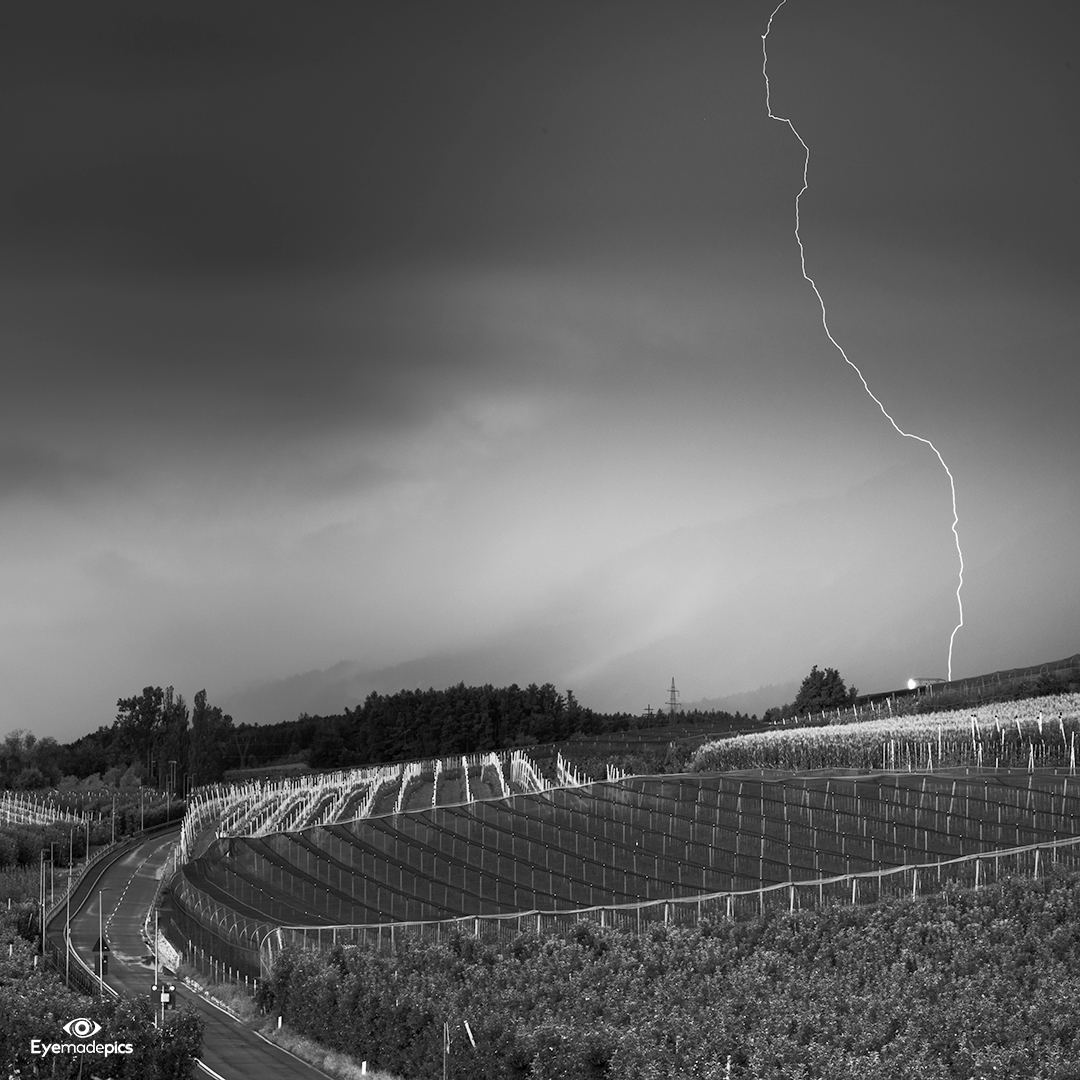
(373, 332)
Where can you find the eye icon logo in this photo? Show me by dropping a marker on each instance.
(82, 1028)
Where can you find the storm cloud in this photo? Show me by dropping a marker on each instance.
(470, 341)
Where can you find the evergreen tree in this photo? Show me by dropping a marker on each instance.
(822, 690)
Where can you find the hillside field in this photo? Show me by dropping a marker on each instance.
(637, 842)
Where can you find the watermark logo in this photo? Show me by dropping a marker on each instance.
(82, 1028)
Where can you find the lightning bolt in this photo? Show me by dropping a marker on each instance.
(838, 346)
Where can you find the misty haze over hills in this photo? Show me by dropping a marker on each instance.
(809, 572)
(750, 702)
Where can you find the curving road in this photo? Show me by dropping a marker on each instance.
(125, 884)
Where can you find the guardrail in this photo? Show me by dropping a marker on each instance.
(73, 883)
(77, 974)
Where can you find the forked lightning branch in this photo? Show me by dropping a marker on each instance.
(837, 345)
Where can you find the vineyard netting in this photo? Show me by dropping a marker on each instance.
(691, 842)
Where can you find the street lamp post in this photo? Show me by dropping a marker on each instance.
(42, 893)
(67, 921)
(41, 898)
(159, 1003)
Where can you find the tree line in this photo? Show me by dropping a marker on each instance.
(464, 719)
(157, 739)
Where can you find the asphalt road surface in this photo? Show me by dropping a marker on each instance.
(117, 896)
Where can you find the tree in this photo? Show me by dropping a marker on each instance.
(16, 755)
(138, 725)
(211, 731)
(822, 690)
(95, 752)
(328, 748)
(172, 742)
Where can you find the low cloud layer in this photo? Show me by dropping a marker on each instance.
(379, 338)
